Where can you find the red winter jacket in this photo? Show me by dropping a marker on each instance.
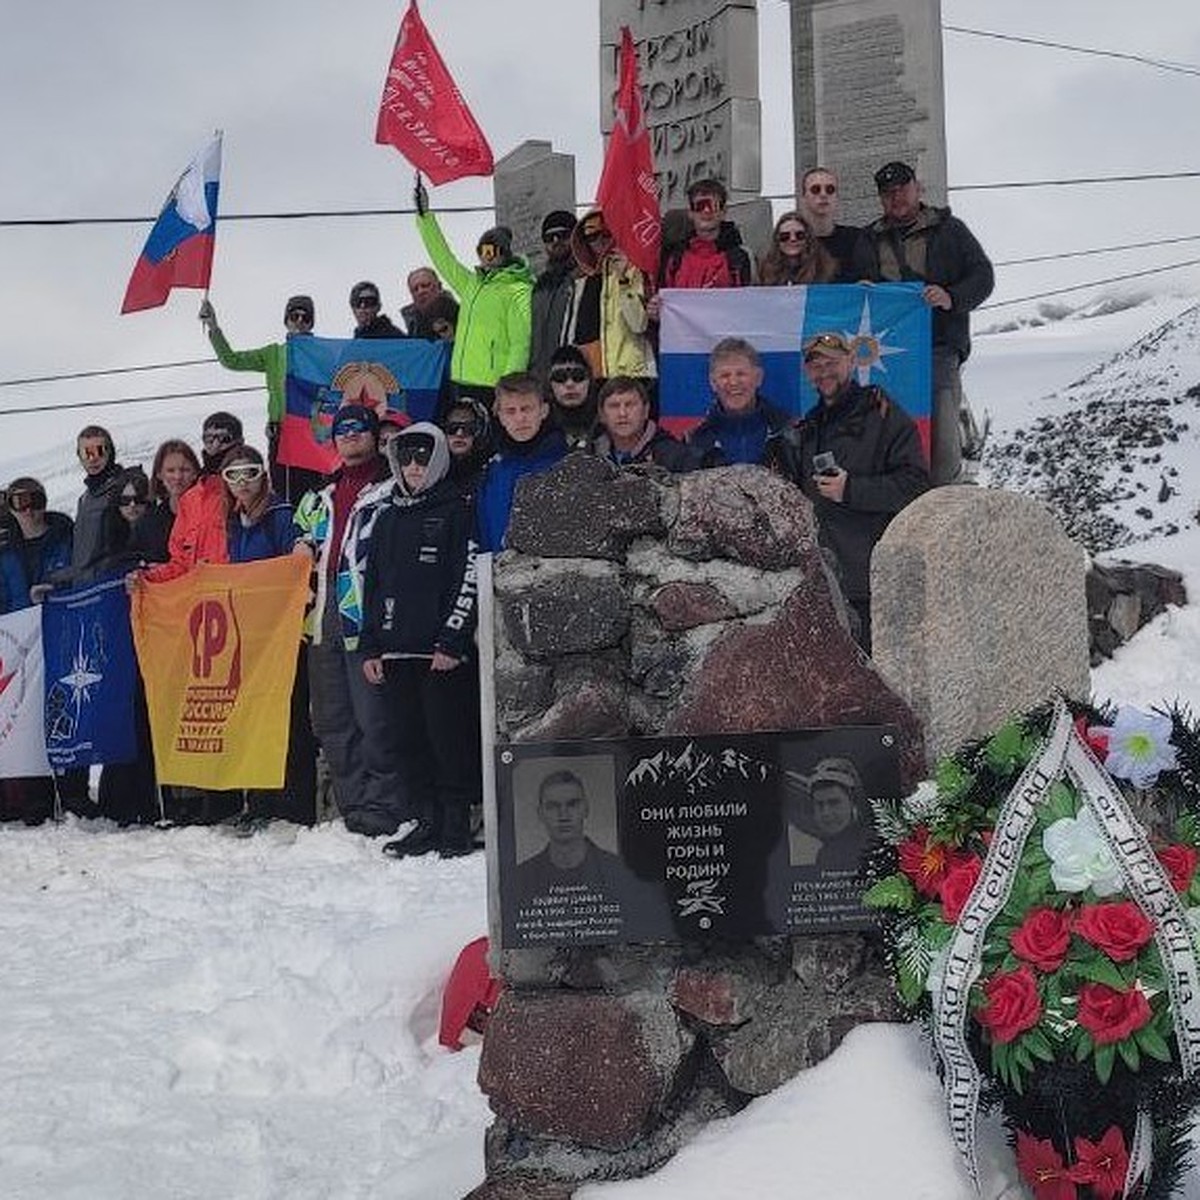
(198, 534)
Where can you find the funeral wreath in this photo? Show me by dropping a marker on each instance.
(1040, 899)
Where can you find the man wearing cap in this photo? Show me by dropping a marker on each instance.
(349, 716)
(859, 461)
(369, 322)
(915, 241)
(299, 317)
(607, 319)
(495, 300)
(552, 290)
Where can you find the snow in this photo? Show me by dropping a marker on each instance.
(185, 1014)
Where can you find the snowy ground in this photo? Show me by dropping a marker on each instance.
(189, 1015)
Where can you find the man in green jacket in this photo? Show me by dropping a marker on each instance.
(299, 317)
(495, 302)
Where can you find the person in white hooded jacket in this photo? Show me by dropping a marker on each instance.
(418, 640)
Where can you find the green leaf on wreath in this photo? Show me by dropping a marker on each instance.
(1039, 1045)
(1106, 1058)
(1060, 802)
(1007, 748)
(896, 891)
(1101, 970)
(1152, 1043)
(1022, 1055)
(910, 987)
(1127, 1048)
(1083, 1045)
(952, 779)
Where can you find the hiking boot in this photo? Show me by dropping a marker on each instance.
(370, 824)
(421, 840)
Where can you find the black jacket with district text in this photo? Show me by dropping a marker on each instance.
(419, 591)
(876, 443)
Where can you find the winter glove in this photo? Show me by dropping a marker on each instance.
(208, 316)
(420, 198)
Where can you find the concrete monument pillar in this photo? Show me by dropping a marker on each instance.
(698, 67)
(867, 88)
(530, 182)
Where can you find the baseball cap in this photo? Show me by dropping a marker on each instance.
(827, 344)
(559, 221)
(303, 303)
(893, 174)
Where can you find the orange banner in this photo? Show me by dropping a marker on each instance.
(217, 649)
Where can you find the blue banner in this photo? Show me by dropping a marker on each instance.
(91, 676)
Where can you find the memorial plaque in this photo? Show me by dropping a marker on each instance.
(698, 67)
(530, 182)
(688, 838)
(867, 88)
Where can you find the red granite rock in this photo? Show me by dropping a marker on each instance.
(680, 605)
(587, 1067)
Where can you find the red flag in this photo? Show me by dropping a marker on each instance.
(423, 114)
(627, 192)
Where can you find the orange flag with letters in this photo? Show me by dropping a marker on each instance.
(217, 649)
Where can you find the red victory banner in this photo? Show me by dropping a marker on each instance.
(627, 192)
(423, 114)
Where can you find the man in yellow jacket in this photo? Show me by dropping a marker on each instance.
(495, 305)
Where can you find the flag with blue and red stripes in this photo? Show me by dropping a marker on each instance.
(888, 326)
(400, 377)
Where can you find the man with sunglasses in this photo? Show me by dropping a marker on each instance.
(495, 332)
(915, 241)
(819, 204)
(93, 532)
(369, 321)
(713, 255)
(349, 716)
(299, 318)
(552, 289)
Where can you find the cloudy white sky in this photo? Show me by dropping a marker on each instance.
(101, 106)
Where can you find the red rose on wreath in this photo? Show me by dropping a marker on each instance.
(1110, 1015)
(1012, 1006)
(1043, 1169)
(924, 861)
(1120, 929)
(1179, 862)
(957, 886)
(1102, 1165)
(1043, 939)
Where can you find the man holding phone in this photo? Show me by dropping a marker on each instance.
(860, 462)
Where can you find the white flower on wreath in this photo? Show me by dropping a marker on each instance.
(1080, 857)
(1139, 746)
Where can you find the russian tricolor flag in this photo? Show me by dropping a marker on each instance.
(179, 250)
(888, 326)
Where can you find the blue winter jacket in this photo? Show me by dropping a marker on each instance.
(494, 497)
(24, 564)
(271, 537)
(723, 439)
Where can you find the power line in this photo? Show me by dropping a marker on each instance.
(1158, 63)
(42, 408)
(1041, 258)
(1079, 287)
(321, 214)
(188, 362)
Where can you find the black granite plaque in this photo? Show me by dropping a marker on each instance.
(688, 838)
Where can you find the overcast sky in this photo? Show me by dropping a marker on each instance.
(102, 105)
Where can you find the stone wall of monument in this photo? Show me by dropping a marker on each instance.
(640, 604)
(867, 89)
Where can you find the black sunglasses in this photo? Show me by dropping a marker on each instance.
(128, 501)
(299, 314)
(568, 375)
(409, 452)
(461, 428)
(816, 189)
(366, 302)
(792, 235)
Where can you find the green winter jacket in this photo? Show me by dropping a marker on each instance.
(270, 360)
(495, 326)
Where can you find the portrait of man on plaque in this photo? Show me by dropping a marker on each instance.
(828, 817)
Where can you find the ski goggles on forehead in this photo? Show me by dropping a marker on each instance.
(243, 473)
(409, 451)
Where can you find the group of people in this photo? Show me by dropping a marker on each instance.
(386, 681)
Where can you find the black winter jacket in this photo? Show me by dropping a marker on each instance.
(876, 443)
(420, 589)
(953, 259)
